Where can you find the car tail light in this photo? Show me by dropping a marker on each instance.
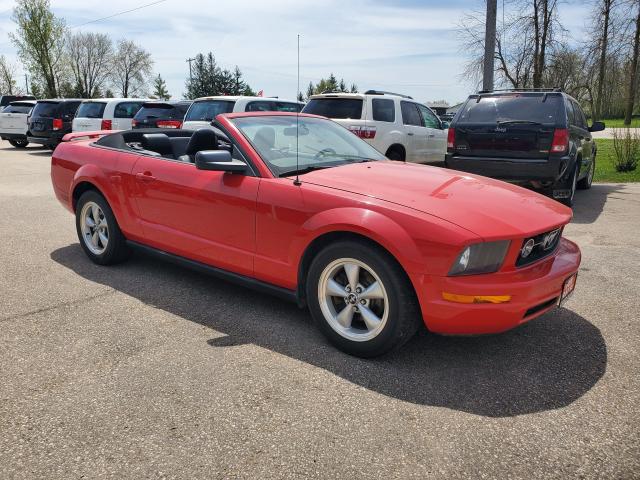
(169, 124)
(57, 124)
(451, 139)
(134, 123)
(363, 131)
(105, 125)
(560, 143)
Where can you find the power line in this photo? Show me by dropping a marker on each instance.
(120, 13)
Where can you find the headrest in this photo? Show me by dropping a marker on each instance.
(157, 142)
(203, 139)
(265, 137)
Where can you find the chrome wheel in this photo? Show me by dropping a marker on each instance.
(95, 229)
(353, 299)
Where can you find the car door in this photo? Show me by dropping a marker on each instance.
(416, 133)
(436, 136)
(206, 216)
(123, 115)
(582, 136)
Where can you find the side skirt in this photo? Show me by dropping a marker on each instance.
(244, 281)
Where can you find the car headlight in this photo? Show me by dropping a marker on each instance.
(486, 257)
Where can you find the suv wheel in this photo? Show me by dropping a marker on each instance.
(395, 154)
(99, 234)
(568, 187)
(361, 299)
(585, 183)
(19, 143)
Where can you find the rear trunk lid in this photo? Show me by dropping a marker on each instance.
(13, 118)
(515, 125)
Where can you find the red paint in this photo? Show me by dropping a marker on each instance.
(261, 226)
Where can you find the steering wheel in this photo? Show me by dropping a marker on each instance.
(323, 152)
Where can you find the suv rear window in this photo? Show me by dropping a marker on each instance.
(127, 109)
(161, 110)
(18, 108)
(91, 110)
(505, 108)
(335, 107)
(45, 109)
(207, 110)
(270, 106)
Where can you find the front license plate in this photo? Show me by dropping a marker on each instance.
(568, 287)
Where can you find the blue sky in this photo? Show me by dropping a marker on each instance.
(408, 46)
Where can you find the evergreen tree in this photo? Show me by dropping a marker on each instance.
(208, 79)
(160, 89)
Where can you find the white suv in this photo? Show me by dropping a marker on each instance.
(106, 114)
(203, 110)
(14, 124)
(394, 124)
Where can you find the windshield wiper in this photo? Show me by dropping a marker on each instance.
(307, 169)
(518, 122)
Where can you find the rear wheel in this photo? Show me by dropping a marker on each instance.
(585, 183)
(564, 191)
(19, 143)
(361, 299)
(98, 231)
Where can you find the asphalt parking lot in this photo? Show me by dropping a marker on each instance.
(148, 370)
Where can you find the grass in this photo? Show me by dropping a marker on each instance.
(619, 123)
(605, 168)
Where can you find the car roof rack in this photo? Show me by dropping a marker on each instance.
(382, 92)
(552, 89)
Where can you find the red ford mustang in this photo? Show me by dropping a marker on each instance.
(301, 207)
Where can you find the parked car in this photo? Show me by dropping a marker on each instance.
(51, 119)
(13, 122)
(538, 138)
(204, 110)
(7, 99)
(159, 114)
(393, 124)
(106, 114)
(302, 208)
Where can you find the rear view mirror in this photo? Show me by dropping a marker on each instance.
(219, 160)
(596, 127)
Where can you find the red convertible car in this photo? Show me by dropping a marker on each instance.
(299, 206)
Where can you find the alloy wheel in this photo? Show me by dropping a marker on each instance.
(95, 229)
(353, 299)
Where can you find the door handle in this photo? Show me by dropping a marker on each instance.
(145, 177)
(410, 134)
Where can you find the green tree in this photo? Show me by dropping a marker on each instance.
(208, 79)
(8, 83)
(39, 38)
(330, 84)
(131, 68)
(160, 89)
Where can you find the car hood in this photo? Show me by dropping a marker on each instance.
(489, 208)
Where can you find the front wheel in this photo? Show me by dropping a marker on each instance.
(361, 299)
(19, 143)
(98, 231)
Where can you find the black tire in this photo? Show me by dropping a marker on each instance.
(585, 183)
(569, 184)
(395, 154)
(403, 316)
(19, 143)
(116, 249)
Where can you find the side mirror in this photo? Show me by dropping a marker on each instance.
(597, 127)
(219, 161)
(445, 125)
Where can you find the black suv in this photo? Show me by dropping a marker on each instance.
(51, 120)
(538, 138)
(160, 114)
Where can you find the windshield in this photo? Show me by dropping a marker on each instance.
(511, 108)
(321, 143)
(45, 109)
(91, 109)
(207, 110)
(335, 107)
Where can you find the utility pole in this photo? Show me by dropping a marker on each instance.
(26, 83)
(189, 60)
(489, 44)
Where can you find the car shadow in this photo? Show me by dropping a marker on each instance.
(589, 204)
(546, 364)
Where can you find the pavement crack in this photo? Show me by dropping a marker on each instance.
(71, 303)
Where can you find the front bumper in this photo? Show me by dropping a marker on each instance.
(511, 169)
(534, 290)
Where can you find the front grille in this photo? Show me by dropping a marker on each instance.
(543, 246)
